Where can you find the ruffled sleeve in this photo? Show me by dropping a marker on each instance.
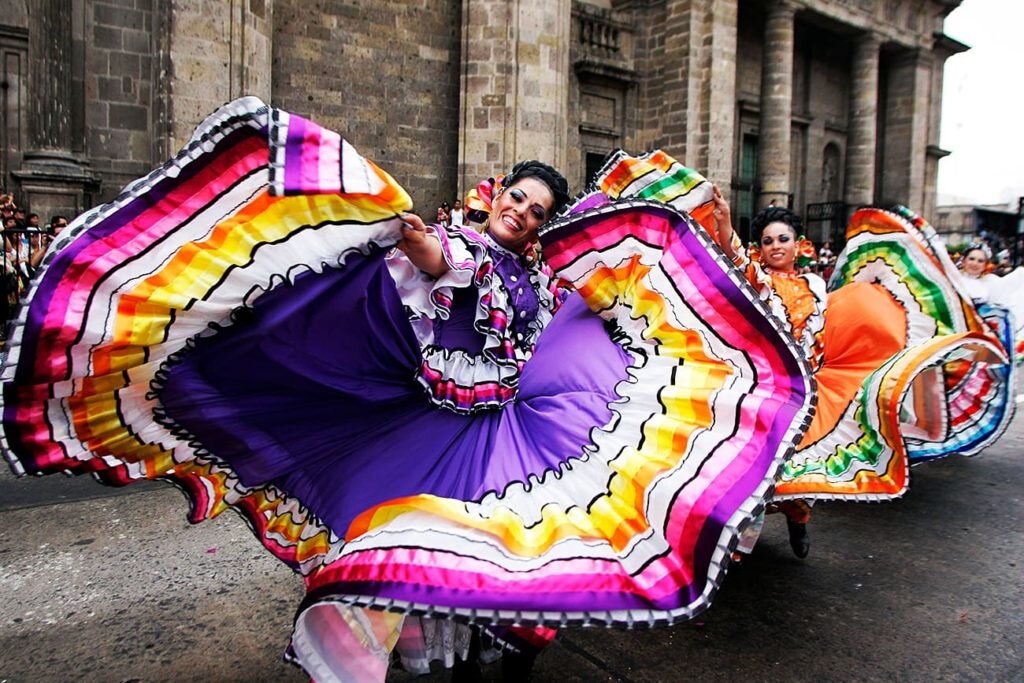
(798, 300)
(509, 316)
(427, 298)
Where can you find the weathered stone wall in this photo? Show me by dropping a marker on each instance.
(514, 101)
(385, 75)
(602, 89)
(218, 51)
(14, 62)
(118, 91)
(823, 67)
(720, 67)
(903, 152)
(442, 93)
(651, 67)
(155, 69)
(686, 56)
(678, 116)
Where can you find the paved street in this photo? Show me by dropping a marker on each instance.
(102, 587)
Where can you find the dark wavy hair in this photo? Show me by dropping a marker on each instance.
(555, 181)
(776, 214)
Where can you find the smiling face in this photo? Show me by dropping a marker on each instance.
(518, 212)
(974, 262)
(778, 246)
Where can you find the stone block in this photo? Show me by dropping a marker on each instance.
(138, 42)
(435, 54)
(106, 38)
(122, 17)
(201, 26)
(128, 117)
(121, 64)
(479, 51)
(141, 143)
(110, 89)
(96, 114)
(107, 144)
(528, 54)
(479, 85)
(319, 32)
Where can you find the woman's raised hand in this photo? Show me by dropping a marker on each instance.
(723, 220)
(422, 246)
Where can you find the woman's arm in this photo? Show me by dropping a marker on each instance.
(723, 217)
(421, 247)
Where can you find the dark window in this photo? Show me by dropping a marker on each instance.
(745, 186)
(594, 162)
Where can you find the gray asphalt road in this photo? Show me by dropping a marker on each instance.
(106, 585)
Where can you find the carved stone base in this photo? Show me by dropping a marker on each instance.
(52, 183)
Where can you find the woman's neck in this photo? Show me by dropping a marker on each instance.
(491, 240)
(788, 271)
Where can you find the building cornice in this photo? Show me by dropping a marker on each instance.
(949, 46)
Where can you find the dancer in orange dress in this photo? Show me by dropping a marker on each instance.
(798, 300)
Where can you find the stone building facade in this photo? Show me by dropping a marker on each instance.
(820, 104)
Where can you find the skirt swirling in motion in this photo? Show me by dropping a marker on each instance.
(228, 324)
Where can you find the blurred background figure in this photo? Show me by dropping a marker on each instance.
(457, 216)
(57, 224)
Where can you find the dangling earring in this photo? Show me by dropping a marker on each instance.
(531, 254)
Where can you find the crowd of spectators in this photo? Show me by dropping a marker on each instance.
(453, 214)
(25, 241)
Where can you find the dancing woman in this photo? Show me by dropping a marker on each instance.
(440, 437)
(983, 286)
(798, 300)
(906, 369)
(990, 290)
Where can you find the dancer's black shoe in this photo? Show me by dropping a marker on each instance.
(468, 670)
(799, 541)
(517, 667)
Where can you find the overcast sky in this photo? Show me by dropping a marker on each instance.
(983, 105)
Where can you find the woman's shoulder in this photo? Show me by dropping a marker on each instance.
(813, 279)
(816, 284)
(466, 232)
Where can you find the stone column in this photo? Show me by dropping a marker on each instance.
(680, 113)
(515, 85)
(50, 76)
(722, 98)
(218, 50)
(905, 151)
(860, 146)
(51, 178)
(776, 106)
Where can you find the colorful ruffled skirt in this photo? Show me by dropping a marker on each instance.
(228, 324)
(911, 369)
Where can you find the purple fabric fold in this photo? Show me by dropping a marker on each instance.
(314, 391)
